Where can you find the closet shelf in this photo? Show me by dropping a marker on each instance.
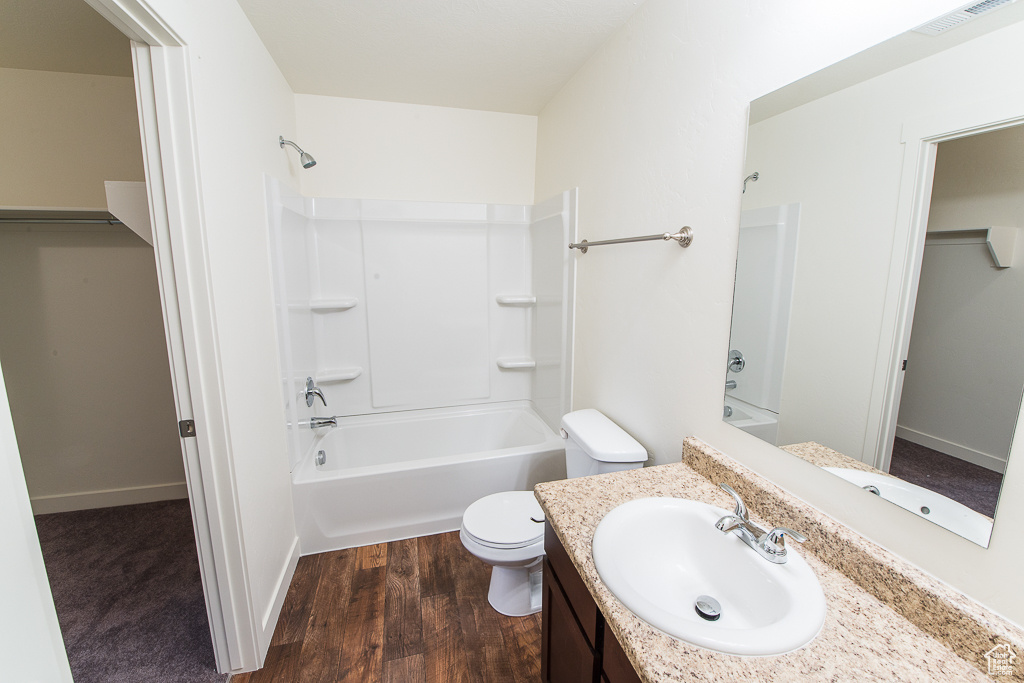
(338, 375)
(517, 363)
(516, 300)
(1000, 240)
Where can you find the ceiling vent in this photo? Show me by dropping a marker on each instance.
(960, 16)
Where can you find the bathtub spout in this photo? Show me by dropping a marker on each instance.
(321, 422)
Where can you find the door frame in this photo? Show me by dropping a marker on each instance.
(169, 144)
(920, 139)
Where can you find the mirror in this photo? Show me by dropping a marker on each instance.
(879, 302)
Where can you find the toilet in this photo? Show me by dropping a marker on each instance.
(506, 530)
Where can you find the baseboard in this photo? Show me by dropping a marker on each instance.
(989, 462)
(87, 500)
(273, 611)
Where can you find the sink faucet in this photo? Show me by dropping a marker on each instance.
(771, 545)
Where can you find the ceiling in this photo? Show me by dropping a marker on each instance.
(498, 55)
(61, 35)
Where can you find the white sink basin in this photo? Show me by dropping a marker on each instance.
(657, 555)
(923, 502)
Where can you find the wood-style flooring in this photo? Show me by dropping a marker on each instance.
(400, 612)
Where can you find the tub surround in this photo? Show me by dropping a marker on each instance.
(886, 619)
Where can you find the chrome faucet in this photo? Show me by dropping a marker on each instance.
(321, 422)
(313, 390)
(730, 384)
(771, 545)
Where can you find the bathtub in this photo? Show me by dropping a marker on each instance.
(397, 475)
(762, 423)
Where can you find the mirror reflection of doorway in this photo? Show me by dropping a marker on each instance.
(965, 373)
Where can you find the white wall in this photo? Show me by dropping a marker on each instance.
(82, 336)
(384, 150)
(979, 181)
(64, 135)
(955, 398)
(82, 341)
(652, 130)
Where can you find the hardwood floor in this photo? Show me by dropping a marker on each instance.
(402, 612)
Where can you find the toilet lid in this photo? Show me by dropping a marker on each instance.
(502, 520)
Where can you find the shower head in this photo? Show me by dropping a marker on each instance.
(750, 178)
(305, 159)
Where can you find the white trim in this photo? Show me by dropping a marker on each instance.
(105, 498)
(273, 611)
(172, 173)
(989, 462)
(920, 139)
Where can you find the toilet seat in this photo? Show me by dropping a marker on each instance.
(505, 520)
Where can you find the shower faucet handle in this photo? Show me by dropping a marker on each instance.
(736, 361)
(313, 391)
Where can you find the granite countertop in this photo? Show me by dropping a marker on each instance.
(823, 456)
(866, 636)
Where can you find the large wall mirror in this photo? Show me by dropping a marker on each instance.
(878, 318)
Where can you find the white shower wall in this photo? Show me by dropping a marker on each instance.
(397, 305)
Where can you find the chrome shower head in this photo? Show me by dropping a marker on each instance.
(305, 159)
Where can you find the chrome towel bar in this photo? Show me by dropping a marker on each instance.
(684, 237)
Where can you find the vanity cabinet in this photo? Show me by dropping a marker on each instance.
(576, 646)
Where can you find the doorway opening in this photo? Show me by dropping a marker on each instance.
(85, 358)
(962, 382)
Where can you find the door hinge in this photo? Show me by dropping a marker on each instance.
(904, 365)
(187, 428)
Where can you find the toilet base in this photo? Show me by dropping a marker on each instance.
(516, 591)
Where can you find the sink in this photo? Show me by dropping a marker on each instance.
(658, 555)
(923, 502)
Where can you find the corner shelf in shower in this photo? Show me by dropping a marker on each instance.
(332, 305)
(517, 363)
(516, 300)
(338, 375)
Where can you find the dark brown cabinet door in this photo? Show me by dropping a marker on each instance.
(566, 656)
(615, 663)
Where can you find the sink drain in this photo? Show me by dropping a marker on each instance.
(708, 608)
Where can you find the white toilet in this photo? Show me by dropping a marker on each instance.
(506, 530)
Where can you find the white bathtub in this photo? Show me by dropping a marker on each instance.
(399, 475)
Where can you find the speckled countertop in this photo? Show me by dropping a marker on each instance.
(823, 456)
(886, 620)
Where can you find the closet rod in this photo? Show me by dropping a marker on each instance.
(74, 221)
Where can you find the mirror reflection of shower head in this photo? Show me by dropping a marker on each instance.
(306, 160)
(750, 178)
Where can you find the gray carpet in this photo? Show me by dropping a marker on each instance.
(969, 484)
(129, 598)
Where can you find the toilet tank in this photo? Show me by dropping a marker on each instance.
(595, 445)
